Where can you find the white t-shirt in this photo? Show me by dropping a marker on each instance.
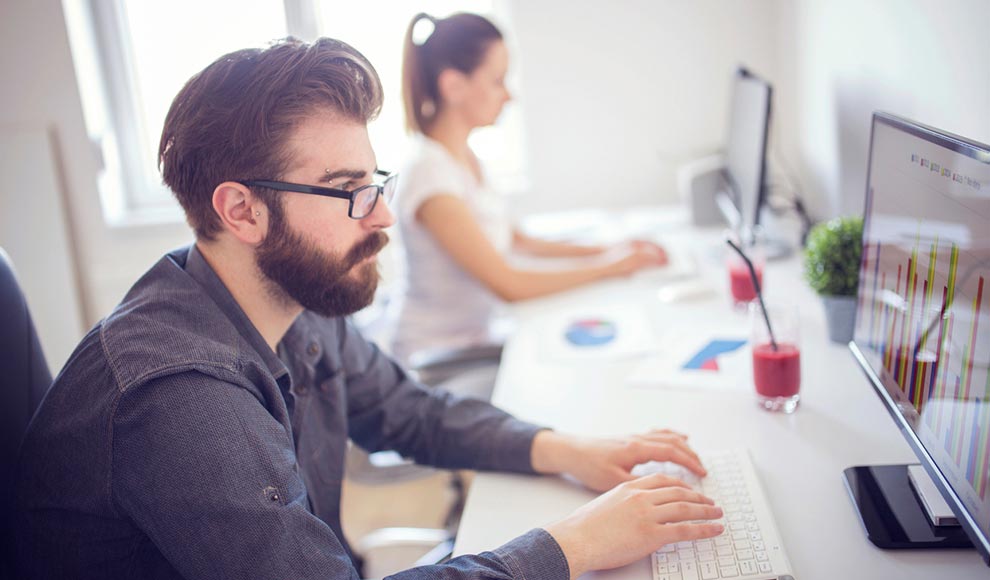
(441, 305)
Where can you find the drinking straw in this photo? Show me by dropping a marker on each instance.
(759, 292)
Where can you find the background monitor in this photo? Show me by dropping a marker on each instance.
(923, 333)
(744, 173)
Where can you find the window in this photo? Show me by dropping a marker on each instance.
(133, 56)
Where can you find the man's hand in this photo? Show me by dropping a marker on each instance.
(631, 521)
(601, 464)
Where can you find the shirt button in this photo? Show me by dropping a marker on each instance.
(313, 348)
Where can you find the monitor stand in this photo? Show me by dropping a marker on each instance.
(893, 512)
(775, 247)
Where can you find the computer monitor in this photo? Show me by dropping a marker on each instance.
(744, 172)
(922, 334)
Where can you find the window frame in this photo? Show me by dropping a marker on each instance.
(131, 190)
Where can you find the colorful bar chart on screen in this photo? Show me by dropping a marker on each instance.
(926, 314)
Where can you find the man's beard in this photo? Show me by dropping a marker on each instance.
(298, 271)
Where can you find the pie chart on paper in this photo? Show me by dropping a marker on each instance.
(590, 332)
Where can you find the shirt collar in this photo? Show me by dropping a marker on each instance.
(198, 268)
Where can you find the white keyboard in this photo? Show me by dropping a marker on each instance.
(750, 546)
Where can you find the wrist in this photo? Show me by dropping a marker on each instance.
(570, 546)
(550, 452)
(612, 269)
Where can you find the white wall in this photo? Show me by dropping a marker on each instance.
(928, 60)
(34, 232)
(618, 94)
(40, 92)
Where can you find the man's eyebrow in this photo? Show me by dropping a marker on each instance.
(329, 176)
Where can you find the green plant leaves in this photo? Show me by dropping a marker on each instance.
(832, 258)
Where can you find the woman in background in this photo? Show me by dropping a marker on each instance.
(453, 227)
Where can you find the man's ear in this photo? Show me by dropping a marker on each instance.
(242, 213)
(451, 85)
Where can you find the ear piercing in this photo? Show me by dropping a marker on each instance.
(257, 213)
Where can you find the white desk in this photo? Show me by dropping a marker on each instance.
(799, 457)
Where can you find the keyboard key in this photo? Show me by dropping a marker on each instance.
(745, 555)
(740, 535)
(706, 556)
(748, 567)
(661, 558)
(762, 556)
(704, 545)
(728, 572)
(755, 536)
(758, 546)
(742, 545)
(673, 568)
(726, 561)
(662, 569)
(723, 540)
(689, 571)
(724, 550)
(764, 566)
(709, 571)
(684, 555)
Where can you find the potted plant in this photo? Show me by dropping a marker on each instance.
(831, 266)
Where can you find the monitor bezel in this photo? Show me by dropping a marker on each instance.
(980, 152)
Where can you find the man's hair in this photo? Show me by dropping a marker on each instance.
(231, 121)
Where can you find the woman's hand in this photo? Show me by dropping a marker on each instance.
(641, 254)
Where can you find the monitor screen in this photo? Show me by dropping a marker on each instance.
(923, 322)
(746, 146)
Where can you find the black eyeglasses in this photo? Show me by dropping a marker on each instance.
(362, 200)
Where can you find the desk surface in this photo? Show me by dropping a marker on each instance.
(799, 457)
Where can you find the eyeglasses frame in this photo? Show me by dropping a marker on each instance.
(330, 191)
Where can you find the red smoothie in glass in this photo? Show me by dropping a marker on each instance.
(741, 283)
(777, 373)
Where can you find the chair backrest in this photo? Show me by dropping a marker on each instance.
(24, 380)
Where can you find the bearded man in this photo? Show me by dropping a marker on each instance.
(199, 430)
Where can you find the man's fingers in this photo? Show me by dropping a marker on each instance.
(677, 452)
(664, 433)
(675, 512)
(685, 532)
(673, 494)
(658, 481)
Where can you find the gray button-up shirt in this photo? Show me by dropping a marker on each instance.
(176, 444)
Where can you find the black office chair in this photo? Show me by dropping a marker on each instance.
(25, 380)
